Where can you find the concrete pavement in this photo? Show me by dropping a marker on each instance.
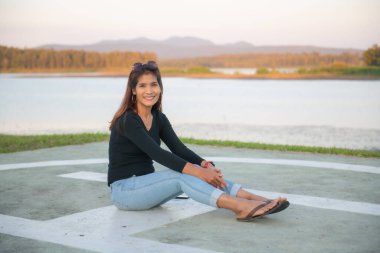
(56, 200)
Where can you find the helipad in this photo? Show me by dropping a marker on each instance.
(56, 200)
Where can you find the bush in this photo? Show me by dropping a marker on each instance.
(372, 56)
(261, 71)
(302, 71)
(196, 70)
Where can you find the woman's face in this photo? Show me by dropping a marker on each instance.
(147, 90)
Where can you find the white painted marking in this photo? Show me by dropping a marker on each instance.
(325, 203)
(110, 218)
(87, 175)
(302, 163)
(51, 163)
(107, 229)
(319, 202)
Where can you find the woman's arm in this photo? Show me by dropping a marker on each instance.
(175, 145)
(138, 135)
(135, 131)
(210, 174)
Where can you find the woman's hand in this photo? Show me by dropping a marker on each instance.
(210, 175)
(215, 169)
(214, 177)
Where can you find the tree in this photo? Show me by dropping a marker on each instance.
(372, 56)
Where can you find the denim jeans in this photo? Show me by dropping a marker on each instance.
(147, 191)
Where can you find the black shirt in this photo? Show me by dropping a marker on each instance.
(132, 149)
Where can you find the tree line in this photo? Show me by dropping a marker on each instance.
(370, 57)
(258, 60)
(27, 59)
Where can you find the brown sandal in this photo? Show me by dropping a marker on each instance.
(251, 216)
(282, 206)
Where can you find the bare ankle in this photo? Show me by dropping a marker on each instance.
(250, 196)
(229, 202)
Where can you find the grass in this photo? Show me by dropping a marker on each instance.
(15, 143)
(343, 70)
(184, 71)
(282, 147)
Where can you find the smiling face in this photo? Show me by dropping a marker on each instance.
(147, 91)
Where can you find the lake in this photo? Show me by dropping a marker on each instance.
(341, 113)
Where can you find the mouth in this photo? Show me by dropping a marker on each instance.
(149, 98)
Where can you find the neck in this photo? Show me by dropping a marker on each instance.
(144, 111)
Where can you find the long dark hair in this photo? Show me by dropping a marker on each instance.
(127, 103)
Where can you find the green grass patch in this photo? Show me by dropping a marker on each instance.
(280, 147)
(15, 143)
(262, 71)
(197, 70)
(192, 70)
(342, 70)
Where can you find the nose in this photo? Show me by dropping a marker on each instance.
(149, 89)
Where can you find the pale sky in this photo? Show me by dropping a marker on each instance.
(328, 23)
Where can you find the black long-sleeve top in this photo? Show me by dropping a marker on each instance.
(132, 149)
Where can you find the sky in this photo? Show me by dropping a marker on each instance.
(326, 23)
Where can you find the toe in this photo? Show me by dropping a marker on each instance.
(271, 205)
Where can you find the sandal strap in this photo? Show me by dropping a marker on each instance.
(254, 210)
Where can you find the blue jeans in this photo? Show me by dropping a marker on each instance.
(154, 189)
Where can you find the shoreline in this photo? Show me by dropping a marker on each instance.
(291, 76)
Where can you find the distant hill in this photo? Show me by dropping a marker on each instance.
(185, 47)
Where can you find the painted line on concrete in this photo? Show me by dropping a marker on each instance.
(302, 163)
(325, 203)
(107, 229)
(304, 200)
(13, 166)
(87, 175)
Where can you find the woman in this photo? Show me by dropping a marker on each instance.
(136, 130)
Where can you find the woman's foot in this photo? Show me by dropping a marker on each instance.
(283, 204)
(247, 206)
(250, 196)
(282, 200)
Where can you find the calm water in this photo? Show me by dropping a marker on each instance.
(75, 104)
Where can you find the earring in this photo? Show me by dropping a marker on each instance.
(133, 98)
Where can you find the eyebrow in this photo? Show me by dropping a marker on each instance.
(150, 83)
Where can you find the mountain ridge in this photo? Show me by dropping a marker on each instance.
(189, 46)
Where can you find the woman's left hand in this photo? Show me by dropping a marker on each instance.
(210, 166)
(216, 170)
